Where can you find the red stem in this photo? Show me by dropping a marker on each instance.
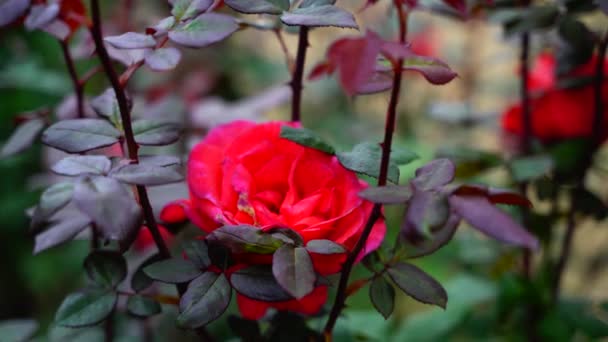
(298, 75)
(376, 212)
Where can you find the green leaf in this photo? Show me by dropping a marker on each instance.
(258, 6)
(403, 156)
(306, 137)
(583, 317)
(382, 295)
(293, 270)
(140, 281)
(187, 9)
(246, 329)
(389, 194)
(80, 135)
(320, 16)
(85, 308)
(173, 271)
(198, 252)
(470, 162)
(533, 18)
(205, 30)
(324, 247)
(417, 284)
(155, 132)
(18, 330)
(568, 156)
(590, 204)
(106, 268)
(52, 200)
(258, 282)
(205, 300)
(244, 239)
(79, 165)
(23, 137)
(141, 306)
(313, 3)
(530, 168)
(365, 159)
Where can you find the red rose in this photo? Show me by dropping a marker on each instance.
(245, 173)
(145, 240)
(558, 113)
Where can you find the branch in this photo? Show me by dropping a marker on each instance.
(598, 119)
(296, 81)
(76, 82)
(376, 212)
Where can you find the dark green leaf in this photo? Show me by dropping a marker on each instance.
(155, 133)
(60, 232)
(110, 205)
(247, 330)
(140, 281)
(23, 137)
(324, 247)
(306, 137)
(320, 16)
(205, 300)
(389, 194)
(244, 239)
(173, 271)
(578, 45)
(569, 156)
(106, 268)
(148, 175)
(141, 306)
(382, 295)
(293, 270)
(286, 235)
(403, 156)
(186, 9)
(80, 135)
(365, 158)
(530, 168)
(198, 252)
(417, 284)
(533, 18)
(583, 317)
(85, 308)
(259, 6)
(205, 30)
(258, 282)
(590, 204)
(52, 200)
(18, 330)
(78, 165)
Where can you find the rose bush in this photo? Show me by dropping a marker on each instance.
(245, 173)
(558, 112)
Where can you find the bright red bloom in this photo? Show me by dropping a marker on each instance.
(145, 240)
(245, 173)
(558, 113)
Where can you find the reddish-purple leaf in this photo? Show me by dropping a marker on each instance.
(163, 59)
(485, 217)
(426, 212)
(438, 239)
(435, 174)
(417, 284)
(204, 30)
(320, 16)
(379, 82)
(11, 10)
(131, 40)
(494, 195)
(41, 15)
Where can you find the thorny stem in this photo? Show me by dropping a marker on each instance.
(77, 83)
(376, 212)
(298, 74)
(597, 134)
(132, 145)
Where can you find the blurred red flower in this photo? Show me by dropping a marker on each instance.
(245, 173)
(558, 112)
(145, 240)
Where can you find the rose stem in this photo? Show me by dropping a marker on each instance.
(296, 81)
(376, 212)
(76, 82)
(597, 133)
(132, 146)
